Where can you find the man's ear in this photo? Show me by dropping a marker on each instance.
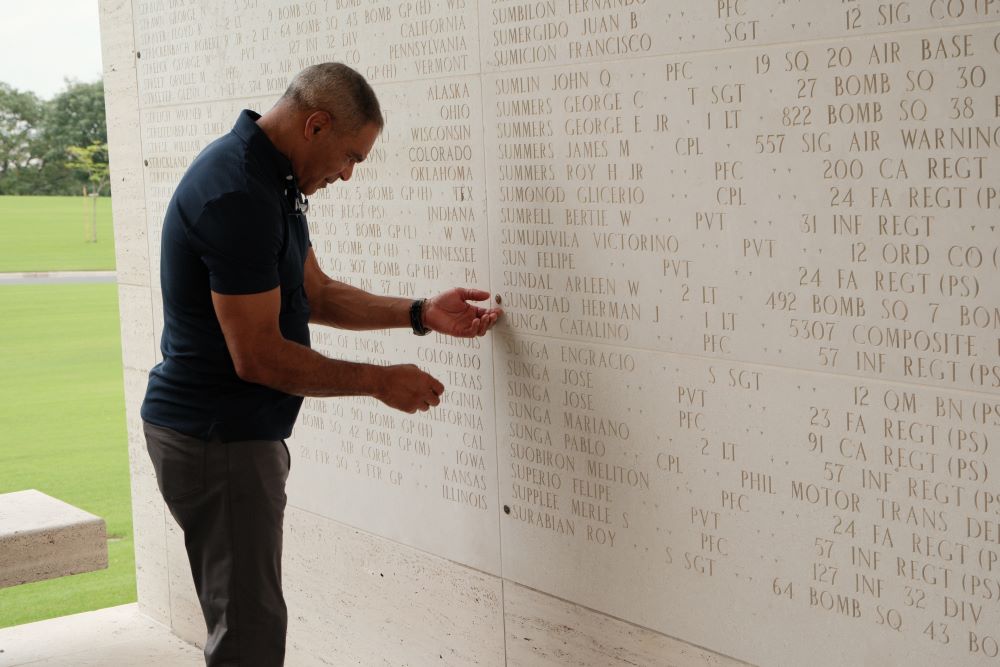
(316, 122)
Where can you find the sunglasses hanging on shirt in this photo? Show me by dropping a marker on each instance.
(297, 200)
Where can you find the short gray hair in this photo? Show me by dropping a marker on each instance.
(338, 90)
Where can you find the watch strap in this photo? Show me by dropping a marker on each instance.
(417, 318)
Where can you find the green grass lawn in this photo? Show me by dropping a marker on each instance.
(48, 234)
(62, 429)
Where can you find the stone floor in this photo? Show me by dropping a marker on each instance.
(108, 637)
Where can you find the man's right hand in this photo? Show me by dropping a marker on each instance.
(405, 387)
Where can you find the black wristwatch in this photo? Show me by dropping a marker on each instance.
(417, 318)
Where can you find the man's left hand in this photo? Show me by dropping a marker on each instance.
(451, 313)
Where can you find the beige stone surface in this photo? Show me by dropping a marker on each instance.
(543, 630)
(42, 537)
(519, 36)
(114, 636)
(130, 236)
(148, 510)
(185, 613)
(433, 475)
(125, 150)
(136, 312)
(355, 598)
(707, 501)
(673, 255)
(745, 394)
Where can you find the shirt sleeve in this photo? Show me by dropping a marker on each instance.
(240, 240)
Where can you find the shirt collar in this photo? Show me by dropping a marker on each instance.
(260, 146)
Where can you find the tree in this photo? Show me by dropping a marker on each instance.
(91, 160)
(21, 115)
(74, 117)
(35, 135)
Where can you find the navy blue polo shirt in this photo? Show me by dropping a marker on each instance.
(231, 227)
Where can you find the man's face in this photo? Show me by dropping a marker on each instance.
(331, 154)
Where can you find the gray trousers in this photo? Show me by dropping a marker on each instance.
(229, 499)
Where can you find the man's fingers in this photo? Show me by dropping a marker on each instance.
(435, 390)
(431, 401)
(486, 323)
(473, 294)
(481, 324)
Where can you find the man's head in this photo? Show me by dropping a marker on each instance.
(325, 123)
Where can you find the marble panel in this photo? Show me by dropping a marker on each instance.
(171, 138)
(117, 42)
(127, 175)
(411, 222)
(157, 323)
(131, 244)
(186, 619)
(148, 511)
(806, 205)
(355, 598)
(125, 151)
(136, 309)
(220, 51)
(543, 630)
(525, 35)
(746, 391)
(692, 495)
(128, 206)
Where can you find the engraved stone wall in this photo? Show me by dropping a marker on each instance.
(747, 391)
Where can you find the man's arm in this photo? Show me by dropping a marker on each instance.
(338, 305)
(263, 356)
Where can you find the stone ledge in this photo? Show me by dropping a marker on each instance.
(115, 636)
(43, 538)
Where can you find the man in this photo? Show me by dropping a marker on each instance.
(240, 284)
